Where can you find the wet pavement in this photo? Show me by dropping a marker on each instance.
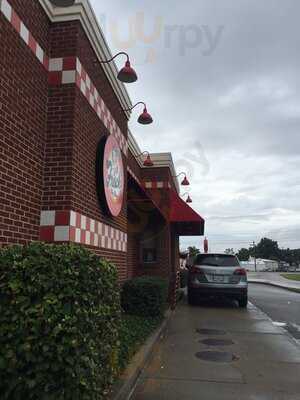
(257, 361)
(281, 305)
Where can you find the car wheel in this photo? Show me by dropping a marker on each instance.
(243, 302)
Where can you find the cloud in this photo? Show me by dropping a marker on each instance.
(231, 118)
(241, 218)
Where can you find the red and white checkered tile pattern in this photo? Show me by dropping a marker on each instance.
(70, 226)
(65, 71)
(89, 90)
(70, 70)
(24, 33)
(157, 185)
(62, 70)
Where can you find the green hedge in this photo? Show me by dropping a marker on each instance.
(59, 323)
(145, 296)
(134, 332)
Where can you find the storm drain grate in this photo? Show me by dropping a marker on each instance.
(204, 331)
(217, 356)
(217, 342)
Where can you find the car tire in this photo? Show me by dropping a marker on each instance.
(191, 299)
(243, 302)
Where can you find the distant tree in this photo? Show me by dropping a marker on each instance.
(229, 251)
(243, 254)
(268, 249)
(289, 256)
(193, 251)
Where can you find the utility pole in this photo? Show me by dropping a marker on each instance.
(254, 249)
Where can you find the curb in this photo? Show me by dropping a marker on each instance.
(271, 283)
(126, 383)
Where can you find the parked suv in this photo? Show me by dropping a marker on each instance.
(217, 275)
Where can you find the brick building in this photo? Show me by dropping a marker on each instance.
(57, 105)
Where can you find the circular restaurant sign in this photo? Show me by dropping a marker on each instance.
(110, 175)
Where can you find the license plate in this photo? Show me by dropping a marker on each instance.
(218, 278)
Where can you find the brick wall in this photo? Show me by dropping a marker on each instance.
(58, 169)
(88, 130)
(23, 106)
(49, 132)
(97, 75)
(144, 222)
(63, 41)
(160, 268)
(74, 131)
(133, 256)
(34, 17)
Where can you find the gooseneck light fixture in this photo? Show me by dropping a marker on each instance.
(147, 162)
(145, 118)
(185, 181)
(188, 200)
(62, 3)
(127, 74)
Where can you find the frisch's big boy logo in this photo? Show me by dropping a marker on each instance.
(111, 183)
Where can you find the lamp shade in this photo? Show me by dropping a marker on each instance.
(185, 182)
(189, 200)
(127, 74)
(148, 162)
(62, 3)
(145, 118)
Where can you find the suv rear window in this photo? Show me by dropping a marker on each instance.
(216, 260)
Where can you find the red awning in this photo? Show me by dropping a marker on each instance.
(176, 211)
(186, 221)
(159, 199)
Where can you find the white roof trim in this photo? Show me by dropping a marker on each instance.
(83, 11)
(134, 148)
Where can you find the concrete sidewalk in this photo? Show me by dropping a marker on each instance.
(265, 364)
(273, 279)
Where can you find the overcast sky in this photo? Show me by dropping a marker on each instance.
(221, 79)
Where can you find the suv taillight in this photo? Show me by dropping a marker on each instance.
(195, 270)
(240, 272)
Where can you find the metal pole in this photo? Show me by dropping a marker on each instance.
(254, 247)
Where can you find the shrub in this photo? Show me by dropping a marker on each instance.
(59, 323)
(134, 332)
(179, 295)
(145, 296)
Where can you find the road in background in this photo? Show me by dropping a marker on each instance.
(273, 277)
(280, 305)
